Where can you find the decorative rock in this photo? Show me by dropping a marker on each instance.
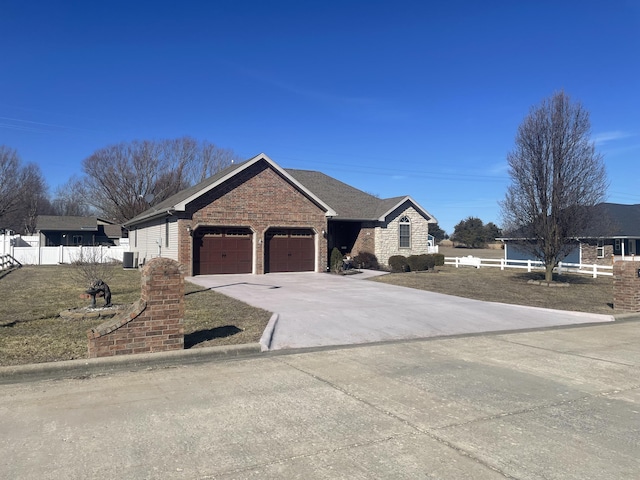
(542, 283)
(88, 313)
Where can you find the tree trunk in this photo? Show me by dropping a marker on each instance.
(548, 274)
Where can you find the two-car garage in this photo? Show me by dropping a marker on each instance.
(220, 250)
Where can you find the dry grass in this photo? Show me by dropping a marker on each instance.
(31, 299)
(584, 294)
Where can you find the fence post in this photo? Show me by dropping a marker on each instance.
(457, 262)
(529, 265)
(559, 268)
(595, 271)
(502, 264)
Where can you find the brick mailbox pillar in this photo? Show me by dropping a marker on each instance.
(154, 323)
(626, 286)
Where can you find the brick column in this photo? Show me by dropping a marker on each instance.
(626, 286)
(154, 323)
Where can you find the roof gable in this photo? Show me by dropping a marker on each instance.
(180, 200)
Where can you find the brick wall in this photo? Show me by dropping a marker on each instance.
(154, 323)
(366, 240)
(257, 198)
(626, 286)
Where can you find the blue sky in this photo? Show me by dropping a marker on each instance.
(396, 98)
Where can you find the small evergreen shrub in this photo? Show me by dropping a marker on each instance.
(366, 260)
(336, 260)
(398, 263)
(439, 259)
(418, 263)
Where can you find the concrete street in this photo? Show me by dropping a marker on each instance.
(316, 309)
(549, 404)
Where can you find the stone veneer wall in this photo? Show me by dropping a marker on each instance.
(626, 286)
(154, 324)
(589, 254)
(388, 238)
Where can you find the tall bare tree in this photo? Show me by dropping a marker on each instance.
(556, 175)
(23, 193)
(10, 181)
(70, 199)
(123, 180)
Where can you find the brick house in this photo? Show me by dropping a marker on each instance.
(257, 217)
(616, 237)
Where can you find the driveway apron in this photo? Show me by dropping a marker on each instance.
(317, 309)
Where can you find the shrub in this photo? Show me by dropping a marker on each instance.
(336, 260)
(439, 259)
(366, 260)
(398, 263)
(419, 263)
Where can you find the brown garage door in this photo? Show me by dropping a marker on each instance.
(222, 250)
(290, 250)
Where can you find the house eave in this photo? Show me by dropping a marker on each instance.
(165, 212)
(430, 218)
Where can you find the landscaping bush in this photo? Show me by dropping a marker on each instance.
(419, 263)
(398, 263)
(438, 259)
(366, 260)
(336, 260)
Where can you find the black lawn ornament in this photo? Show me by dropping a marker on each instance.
(100, 289)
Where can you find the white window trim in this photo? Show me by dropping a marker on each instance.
(404, 222)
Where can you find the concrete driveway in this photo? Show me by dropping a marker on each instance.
(318, 309)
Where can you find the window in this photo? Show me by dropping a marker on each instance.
(405, 232)
(600, 249)
(617, 246)
(77, 240)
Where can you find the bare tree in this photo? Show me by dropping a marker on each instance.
(10, 187)
(23, 193)
(70, 199)
(34, 199)
(556, 175)
(123, 180)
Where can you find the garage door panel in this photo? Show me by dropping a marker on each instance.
(225, 251)
(290, 251)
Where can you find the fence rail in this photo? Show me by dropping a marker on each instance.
(470, 261)
(7, 262)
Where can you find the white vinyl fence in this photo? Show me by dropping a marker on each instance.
(593, 270)
(57, 255)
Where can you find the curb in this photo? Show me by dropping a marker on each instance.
(267, 335)
(96, 366)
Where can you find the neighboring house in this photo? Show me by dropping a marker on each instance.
(256, 217)
(67, 231)
(616, 237)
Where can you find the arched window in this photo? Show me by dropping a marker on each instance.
(404, 232)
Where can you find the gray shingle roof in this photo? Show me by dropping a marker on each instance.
(66, 223)
(347, 202)
(621, 220)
